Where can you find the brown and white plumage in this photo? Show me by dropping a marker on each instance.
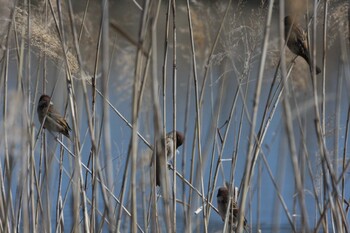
(169, 141)
(54, 122)
(169, 147)
(224, 200)
(297, 40)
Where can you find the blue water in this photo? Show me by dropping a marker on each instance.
(223, 81)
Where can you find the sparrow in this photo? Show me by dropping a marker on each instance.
(223, 199)
(169, 147)
(296, 41)
(54, 122)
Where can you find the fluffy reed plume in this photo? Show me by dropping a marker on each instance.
(5, 15)
(44, 38)
(338, 22)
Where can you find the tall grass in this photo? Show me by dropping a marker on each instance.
(252, 114)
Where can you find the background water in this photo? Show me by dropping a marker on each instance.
(234, 65)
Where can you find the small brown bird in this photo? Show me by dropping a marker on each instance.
(54, 122)
(169, 141)
(296, 41)
(223, 199)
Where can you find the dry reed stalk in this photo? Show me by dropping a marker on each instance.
(60, 39)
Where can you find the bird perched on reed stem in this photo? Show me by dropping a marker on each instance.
(169, 147)
(224, 200)
(297, 41)
(54, 122)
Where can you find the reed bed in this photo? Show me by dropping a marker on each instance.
(252, 113)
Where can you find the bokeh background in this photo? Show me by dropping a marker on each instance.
(127, 73)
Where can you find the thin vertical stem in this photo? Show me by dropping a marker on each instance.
(174, 108)
(249, 160)
(198, 109)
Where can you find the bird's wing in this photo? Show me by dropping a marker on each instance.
(57, 118)
(302, 43)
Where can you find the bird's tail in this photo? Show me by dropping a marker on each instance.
(309, 61)
(318, 70)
